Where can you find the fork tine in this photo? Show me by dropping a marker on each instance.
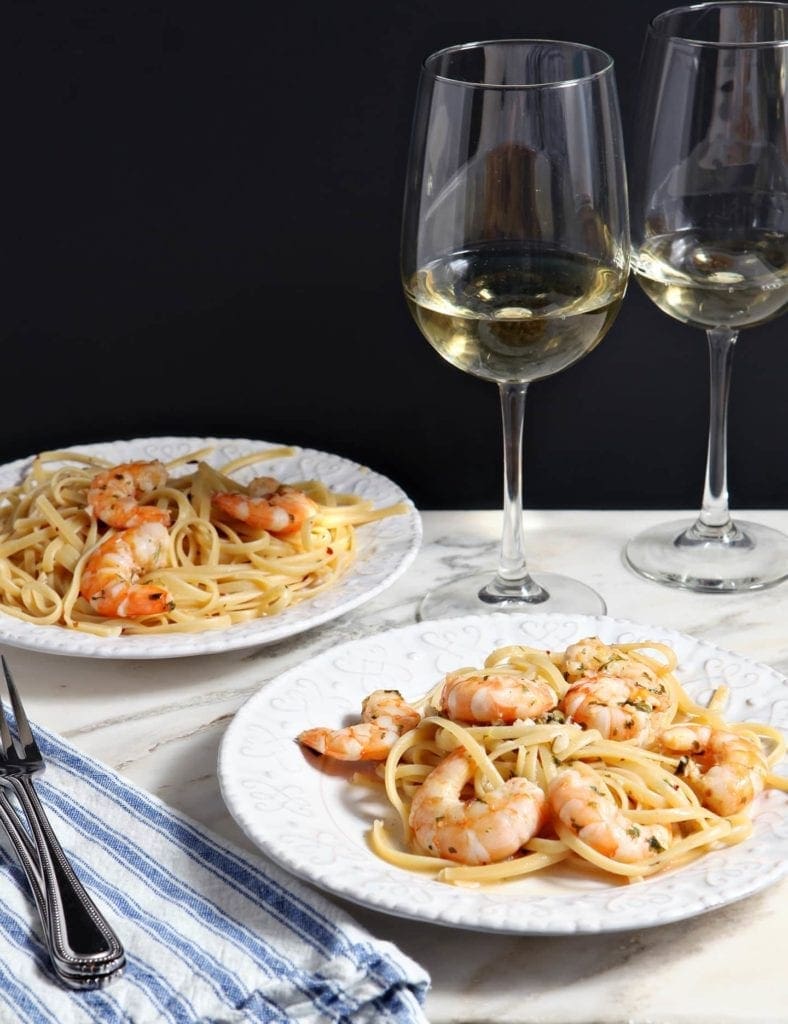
(22, 724)
(5, 734)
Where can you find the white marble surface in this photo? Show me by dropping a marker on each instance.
(160, 724)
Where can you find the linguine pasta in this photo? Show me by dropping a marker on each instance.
(217, 573)
(647, 784)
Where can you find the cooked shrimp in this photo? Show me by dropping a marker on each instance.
(113, 495)
(494, 696)
(475, 831)
(625, 702)
(269, 506)
(110, 576)
(589, 655)
(385, 716)
(580, 805)
(725, 770)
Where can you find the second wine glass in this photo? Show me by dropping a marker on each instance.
(515, 251)
(710, 228)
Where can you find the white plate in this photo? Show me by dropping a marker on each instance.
(385, 550)
(315, 824)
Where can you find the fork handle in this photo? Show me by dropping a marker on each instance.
(25, 852)
(81, 940)
(28, 858)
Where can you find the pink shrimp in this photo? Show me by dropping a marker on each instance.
(475, 831)
(725, 770)
(589, 655)
(269, 505)
(495, 695)
(385, 716)
(113, 495)
(627, 701)
(580, 805)
(111, 573)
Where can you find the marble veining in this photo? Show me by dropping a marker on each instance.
(161, 722)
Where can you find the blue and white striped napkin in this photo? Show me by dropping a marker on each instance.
(211, 934)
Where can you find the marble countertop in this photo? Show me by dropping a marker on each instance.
(160, 724)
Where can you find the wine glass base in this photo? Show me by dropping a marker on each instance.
(745, 557)
(463, 596)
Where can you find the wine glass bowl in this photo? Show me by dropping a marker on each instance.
(515, 248)
(710, 245)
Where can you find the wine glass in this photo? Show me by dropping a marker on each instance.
(515, 251)
(710, 238)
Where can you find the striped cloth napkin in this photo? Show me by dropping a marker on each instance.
(211, 934)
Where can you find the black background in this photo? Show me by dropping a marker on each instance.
(201, 212)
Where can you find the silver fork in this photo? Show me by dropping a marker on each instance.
(84, 950)
(25, 852)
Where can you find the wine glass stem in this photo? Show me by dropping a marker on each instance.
(513, 579)
(715, 517)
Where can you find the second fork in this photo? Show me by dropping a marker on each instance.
(84, 949)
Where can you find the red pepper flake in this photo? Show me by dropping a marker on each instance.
(329, 551)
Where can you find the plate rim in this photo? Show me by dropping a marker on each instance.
(58, 640)
(676, 912)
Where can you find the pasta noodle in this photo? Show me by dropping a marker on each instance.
(217, 572)
(648, 783)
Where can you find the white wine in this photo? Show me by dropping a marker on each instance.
(711, 282)
(515, 314)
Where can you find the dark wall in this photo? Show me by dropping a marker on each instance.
(201, 208)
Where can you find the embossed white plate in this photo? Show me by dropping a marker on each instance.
(314, 823)
(385, 550)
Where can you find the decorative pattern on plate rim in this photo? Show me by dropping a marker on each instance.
(385, 550)
(314, 824)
